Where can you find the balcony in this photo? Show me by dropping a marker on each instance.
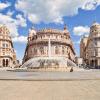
(52, 41)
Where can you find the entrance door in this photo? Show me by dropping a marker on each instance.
(6, 62)
(3, 62)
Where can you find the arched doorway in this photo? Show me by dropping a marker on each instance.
(6, 62)
(3, 62)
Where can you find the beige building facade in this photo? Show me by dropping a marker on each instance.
(7, 53)
(61, 44)
(83, 44)
(53, 45)
(90, 49)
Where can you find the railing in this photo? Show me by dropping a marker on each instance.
(52, 40)
(3, 38)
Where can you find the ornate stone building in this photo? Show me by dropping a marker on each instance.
(7, 53)
(91, 51)
(83, 44)
(48, 44)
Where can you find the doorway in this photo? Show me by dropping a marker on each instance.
(6, 62)
(3, 62)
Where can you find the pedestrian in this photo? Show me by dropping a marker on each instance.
(71, 70)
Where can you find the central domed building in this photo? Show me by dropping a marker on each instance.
(49, 49)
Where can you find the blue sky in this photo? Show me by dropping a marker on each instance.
(20, 15)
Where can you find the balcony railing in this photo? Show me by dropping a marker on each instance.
(52, 40)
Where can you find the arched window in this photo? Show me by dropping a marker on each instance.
(35, 51)
(63, 50)
(56, 50)
(41, 50)
(5, 45)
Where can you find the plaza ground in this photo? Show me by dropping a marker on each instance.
(61, 86)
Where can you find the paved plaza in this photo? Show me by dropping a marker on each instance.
(50, 90)
(32, 76)
(50, 85)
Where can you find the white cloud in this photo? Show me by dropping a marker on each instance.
(20, 39)
(91, 4)
(81, 30)
(4, 5)
(10, 13)
(33, 18)
(12, 23)
(53, 10)
(21, 21)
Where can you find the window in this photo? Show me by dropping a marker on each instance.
(42, 50)
(96, 52)
(56, 37)
(3, 53)
(63, 50)
(35, 51)
(56, 50)
(5, 45)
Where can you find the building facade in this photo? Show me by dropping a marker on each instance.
(79, 61)
(49, 43)
(90, 52)
(83, 44)
(7, 53)
(61, 44)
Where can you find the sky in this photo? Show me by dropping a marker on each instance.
(20, 15)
